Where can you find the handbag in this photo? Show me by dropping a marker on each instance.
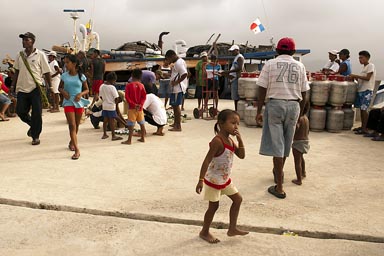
(44, 98)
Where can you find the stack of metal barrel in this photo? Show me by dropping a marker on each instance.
(331, 99)
(248, 93)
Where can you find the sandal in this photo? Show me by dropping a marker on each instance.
(360, 132)
(272, 190)
(71, 147)
(75, 156)
(356, 129)
(378, 138)
(369, 135)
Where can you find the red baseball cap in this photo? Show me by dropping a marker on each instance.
(286, 43)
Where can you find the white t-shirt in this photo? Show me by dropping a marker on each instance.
(332, 65)
(56, 79)
(179, 69)
(39, 66)
(284, 78)
(155, 106)
(108, 93)
(367, 85)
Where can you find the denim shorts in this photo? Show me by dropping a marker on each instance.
(279, 125)
(234, 89)
(109, 113)
(4, 99)
(176, 99)
(165, 88)
(363, 99)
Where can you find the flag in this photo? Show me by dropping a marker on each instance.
(88, 26)
(257, 27)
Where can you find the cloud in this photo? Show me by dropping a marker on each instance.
(315, 25)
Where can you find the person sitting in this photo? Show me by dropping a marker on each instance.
(11, 111)
(5, 101)
(95, 114)
(332, 65)
(376, 124)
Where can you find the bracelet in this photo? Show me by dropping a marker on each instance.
(201, 179)
(240, 147)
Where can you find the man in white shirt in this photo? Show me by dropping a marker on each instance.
(332, 66)
(179, 84)
(235, 72)
(154, 113)
(282, 85)
(366, 84)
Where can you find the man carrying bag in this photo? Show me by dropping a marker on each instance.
(30, 65)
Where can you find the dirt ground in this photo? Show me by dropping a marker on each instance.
(154, 183)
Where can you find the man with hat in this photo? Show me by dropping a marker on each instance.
(200, 83)
(345, 68)
(30, 66)
(282, 85)
(234, 72)
(55, 77)
(332, 66)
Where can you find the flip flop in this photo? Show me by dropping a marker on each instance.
(35, 142)
(356, 129)
(378, 138)
(75, 157)
(71, 147)
(272, 190)
(369, 135)
(360, 132)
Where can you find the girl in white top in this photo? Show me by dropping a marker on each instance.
(215, 173)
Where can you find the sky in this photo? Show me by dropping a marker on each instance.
(318, 25)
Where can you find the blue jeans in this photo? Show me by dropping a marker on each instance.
(234, 89)
(26, 101)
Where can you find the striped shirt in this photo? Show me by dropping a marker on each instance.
(284, 78)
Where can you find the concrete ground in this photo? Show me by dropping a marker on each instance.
(144, 194)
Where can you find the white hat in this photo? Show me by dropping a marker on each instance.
(203, 54)
(234, 47)
(333, 52)
(52, 53)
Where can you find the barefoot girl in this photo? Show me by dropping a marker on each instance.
(216, 170)
(73, 86)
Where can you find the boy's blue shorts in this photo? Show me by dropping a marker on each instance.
(363, 99)
(176, 99)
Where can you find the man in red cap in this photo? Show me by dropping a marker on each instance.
(282, 85)
(27, 78)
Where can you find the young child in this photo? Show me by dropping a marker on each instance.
(135, 95)
(110, 97)
(216, 170)
(300, 145)
(212, 69)
(73, 86)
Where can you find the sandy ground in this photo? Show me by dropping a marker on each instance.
(340, 197)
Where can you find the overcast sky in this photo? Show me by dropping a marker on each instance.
(318, 25)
